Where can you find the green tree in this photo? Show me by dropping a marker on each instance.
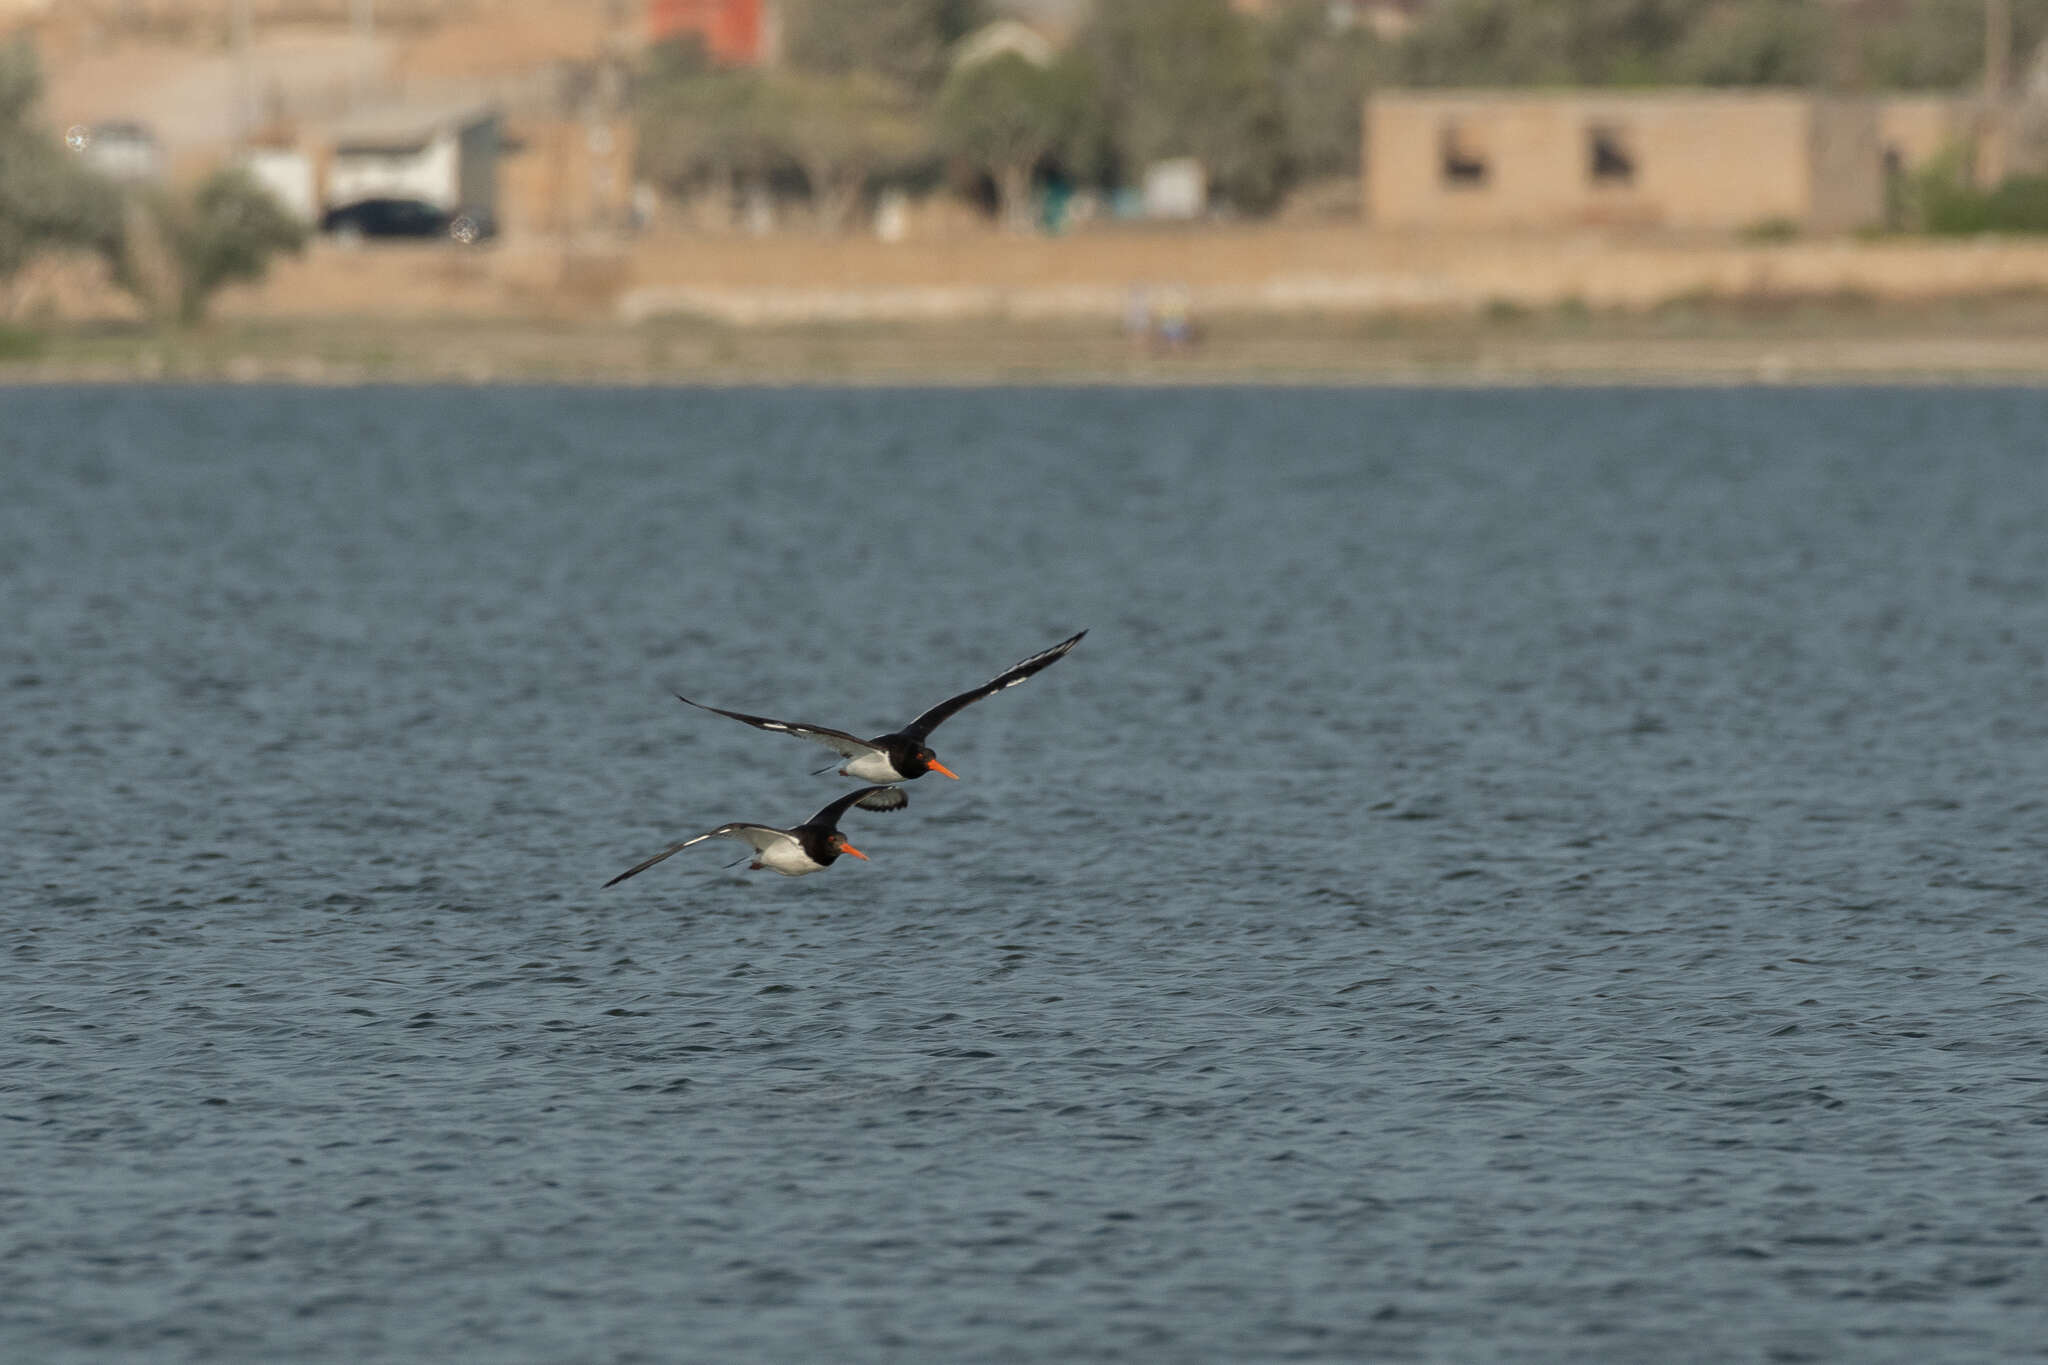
(232, 231)
(901, 41)
(1885, 44)
(1756, 42)
(21, 83)
(173, 252)
(1624, 42)
(841, 130)
(1187, 78)
(47, 199)
(699, 126)
(1488, 42)
(1939, 44)
(1545, 42)
(1322, 76)
(177, 251)
(1007, 114)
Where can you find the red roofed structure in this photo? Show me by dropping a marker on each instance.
(734, 32)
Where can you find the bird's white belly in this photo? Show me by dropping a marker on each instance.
(872, 768)
(787, 856)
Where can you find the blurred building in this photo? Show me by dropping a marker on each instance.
(734, 32)
(449, 161)
(1177, 188)
(521, 175)
(1387, 18)
(289, 174)
(122, 150)
(1059, 18)
(567, 178)
(185, 18)
(1001, 38)
(1916, 129)
(1670, 159)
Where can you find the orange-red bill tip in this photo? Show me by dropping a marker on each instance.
(849, 848)
(939, 767)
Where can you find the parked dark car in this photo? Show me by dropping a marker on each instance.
(399, 218)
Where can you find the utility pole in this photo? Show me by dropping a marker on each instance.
(1997, 48)
(363, 23)
(245, 81)
(1992, 132)
(1845, 45)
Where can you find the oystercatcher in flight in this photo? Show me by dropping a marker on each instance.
(901, 754)
(816, 843)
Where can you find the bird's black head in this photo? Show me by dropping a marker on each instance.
(923, 761)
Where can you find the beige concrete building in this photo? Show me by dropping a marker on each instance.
(1677, 159)
(1916, 129)
(1995, 139)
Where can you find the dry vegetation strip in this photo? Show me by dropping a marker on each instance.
(2002, 339)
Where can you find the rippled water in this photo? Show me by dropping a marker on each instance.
(1524, 875)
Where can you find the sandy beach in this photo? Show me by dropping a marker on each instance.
(1998, 340)
(1325, 305)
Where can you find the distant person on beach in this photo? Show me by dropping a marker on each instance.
(1138, 316)
(1176, 322)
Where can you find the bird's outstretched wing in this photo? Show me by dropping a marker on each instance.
(1009, 677)
(867, 798)
(852, 746)
(759, 837)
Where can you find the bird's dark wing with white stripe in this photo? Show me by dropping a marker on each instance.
(867, 798)
(759, 837)
(1010, 677)
(850, 745)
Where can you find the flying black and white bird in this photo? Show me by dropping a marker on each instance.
(816, 843)
(900, 755)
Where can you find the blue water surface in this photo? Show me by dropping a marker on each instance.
(1508, 875)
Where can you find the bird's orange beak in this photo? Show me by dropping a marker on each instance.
(939, 767)
(849, 848)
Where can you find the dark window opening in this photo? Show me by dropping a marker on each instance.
(1463, 163)
(1610, 160)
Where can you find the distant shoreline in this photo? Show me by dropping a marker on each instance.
(1331, 304)
(1977, 340)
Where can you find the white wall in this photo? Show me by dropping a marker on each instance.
(288, 176)
(428, 174)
